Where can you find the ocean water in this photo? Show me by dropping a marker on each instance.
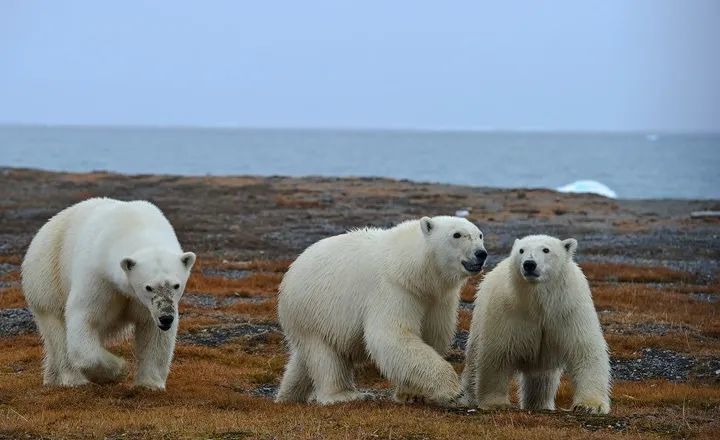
(632, 165)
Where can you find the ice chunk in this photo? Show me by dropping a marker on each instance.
(588, 186)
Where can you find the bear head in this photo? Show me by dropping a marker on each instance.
(456, 245)
(157, 278)
(539, 258)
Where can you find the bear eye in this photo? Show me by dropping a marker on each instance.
(480, 236)
(457, 235)
(546, 250)
(148, 288)
(176, 286)
(522, 250)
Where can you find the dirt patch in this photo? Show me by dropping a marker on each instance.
(655, 363)
(233, 274)
(14, 322)
(218, 335)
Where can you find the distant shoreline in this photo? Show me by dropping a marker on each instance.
(6, 169)
(277, 217)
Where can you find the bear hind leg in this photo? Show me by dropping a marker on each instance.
(331, 374)
(296, 385)
(537, 390)
(52, 333)
(57, 370)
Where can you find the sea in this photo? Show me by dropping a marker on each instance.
(633, 165)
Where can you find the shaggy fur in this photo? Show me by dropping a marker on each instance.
(391, 294)
(92, 272)
(538, 323)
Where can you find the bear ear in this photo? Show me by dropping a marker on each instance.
(188, 259)
(127, 264)
(426, 225)
(570, 246)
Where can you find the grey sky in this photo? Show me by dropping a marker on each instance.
(567, 65)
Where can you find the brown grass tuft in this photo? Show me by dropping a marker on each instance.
(654, 304)
(626, 273)
(256, 284)
(10, 259)
(12, 297)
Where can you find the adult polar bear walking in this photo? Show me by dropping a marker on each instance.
(534, 314)
(391, 294)
(91, 272)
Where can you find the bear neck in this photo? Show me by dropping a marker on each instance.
(419, 272)
(549, 297)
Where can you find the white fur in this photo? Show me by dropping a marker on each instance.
(82, 298)
(388, 294)
(539, 328)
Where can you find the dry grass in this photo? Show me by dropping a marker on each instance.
(11, 297)
(10, 259)
(211, 389)
(638, 274)
(648, 303)
(257, 284)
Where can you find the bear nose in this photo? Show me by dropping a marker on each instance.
(529, 266)
(481, 255)
(166, 321)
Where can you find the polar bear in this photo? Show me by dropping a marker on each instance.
(93, 271)
(534, 315)
(390, 294)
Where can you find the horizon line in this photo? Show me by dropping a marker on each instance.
(530, 130)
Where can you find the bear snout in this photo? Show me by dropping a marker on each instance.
(166, 322)
(477, 264)
(529, 266)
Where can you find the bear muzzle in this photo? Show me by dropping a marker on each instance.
(165, 322)
(477, 264)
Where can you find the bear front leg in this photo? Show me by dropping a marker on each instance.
(154, 351)
(87, 353)
(469, 374)
(538, 389)
(438, 331)
(404, 358)
(492, 384)
(590, 373)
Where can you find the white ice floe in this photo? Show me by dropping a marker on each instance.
(588, 186)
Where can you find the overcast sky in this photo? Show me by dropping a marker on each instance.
(556, 65)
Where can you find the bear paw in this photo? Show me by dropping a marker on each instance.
(343, 396)
(408, 395)
(592, 406)
(72, 378)
(109, 369)
(447, 389)
(150, 385)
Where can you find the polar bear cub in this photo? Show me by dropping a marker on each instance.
(390, 294)
(96, 269)
(534, 315)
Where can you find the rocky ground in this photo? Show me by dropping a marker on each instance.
(654, 272)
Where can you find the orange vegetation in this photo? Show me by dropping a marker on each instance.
(213, 390)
